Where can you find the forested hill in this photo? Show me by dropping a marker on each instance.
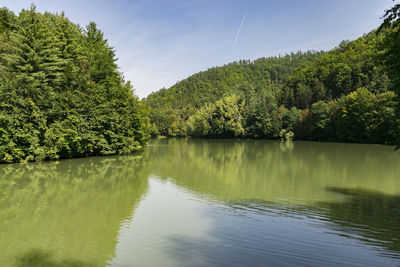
(210, 85)
(182, 99)
(61, 94)
(345, 94)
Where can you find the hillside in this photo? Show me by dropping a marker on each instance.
(341, 95)
(182, 99)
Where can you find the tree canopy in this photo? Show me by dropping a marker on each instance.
(346, 94)
(61, 94)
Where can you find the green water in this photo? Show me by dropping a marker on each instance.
(185, 202)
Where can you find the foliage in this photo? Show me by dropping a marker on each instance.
(61, 94)
(391, 55)
(223, 119)
(260, 78)
(365, 117)
(286, 135)
(339, 72)
(341, 95)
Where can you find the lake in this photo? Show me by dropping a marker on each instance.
(205, 202)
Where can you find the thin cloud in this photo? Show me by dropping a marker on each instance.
(238, 33)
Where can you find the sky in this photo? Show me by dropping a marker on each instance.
(160, 42)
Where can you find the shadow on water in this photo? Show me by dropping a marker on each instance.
(271, 234)
(73, 208)
(289, 181)
(371, 215)
(40, 258)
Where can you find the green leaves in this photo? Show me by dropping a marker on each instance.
(340, 95)
(61, 94)
(224, 119)
(365, 117)
(264, 76)
(391, 17)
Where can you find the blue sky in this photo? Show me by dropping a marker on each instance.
(159, 42)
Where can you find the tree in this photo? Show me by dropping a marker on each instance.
(392, 52)
(200, 123)
(366, 117)
(320, 120)
(61, 94)
(227, 118)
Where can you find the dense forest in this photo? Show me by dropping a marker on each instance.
(347, 94)
(61, 94)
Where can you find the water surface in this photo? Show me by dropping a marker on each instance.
(197, 202)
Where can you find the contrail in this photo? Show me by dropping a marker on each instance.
(237, 35)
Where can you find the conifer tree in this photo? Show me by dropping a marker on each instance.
(61, 94)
